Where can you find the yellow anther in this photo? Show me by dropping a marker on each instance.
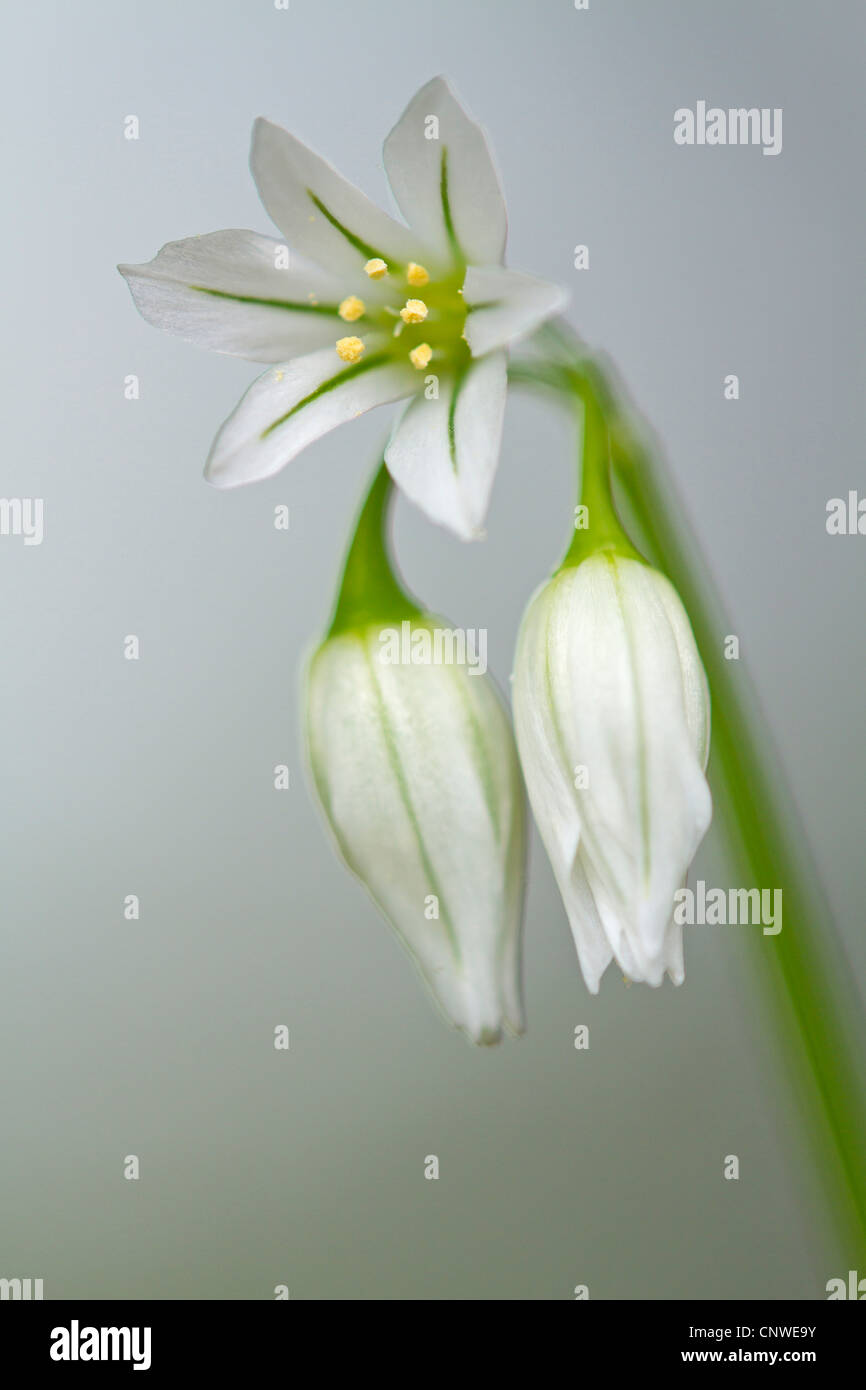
(376, 268)
(420, 356)
(351, 308)
(416, 274)
(414, 311)
(350, 349)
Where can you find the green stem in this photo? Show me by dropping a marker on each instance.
(597, 526)
(817, 1006)
(370, 591)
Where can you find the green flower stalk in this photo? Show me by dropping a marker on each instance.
(416, 770)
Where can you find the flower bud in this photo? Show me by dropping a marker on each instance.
(417, 772)
(612, 717)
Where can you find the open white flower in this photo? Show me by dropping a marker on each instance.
(417, 772)
(368, 311)
(612, 716)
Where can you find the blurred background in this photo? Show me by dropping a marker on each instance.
(155, 1037)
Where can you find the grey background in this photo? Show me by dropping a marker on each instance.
(155, 778)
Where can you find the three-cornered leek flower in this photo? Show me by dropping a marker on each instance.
(612, 716)
(359, 309)
(415, 766)
(611, 712)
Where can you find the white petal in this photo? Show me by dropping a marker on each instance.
(223, 291)
(446, 187)
(606, 680)
(549, 776)
(510, 305)
(417, 772)
(617, 672)
(443, 453)
(673, 953)
(321, 214)
(289, 406)
(593, 948)
(696, 691)
(550, 784)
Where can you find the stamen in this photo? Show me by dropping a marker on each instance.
(414, 311)
(351, 308)
(420, 356)
(350, 349)
(376, 268)
(417, 274)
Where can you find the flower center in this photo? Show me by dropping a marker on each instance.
(424, 331)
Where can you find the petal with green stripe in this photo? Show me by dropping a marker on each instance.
(442, 175)
(321, 214)
(444, 452)
(232, 292)
(293, 404)
(505, 305)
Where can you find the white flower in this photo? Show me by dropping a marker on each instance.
(612, 718)
(428, 300)
(417, 772)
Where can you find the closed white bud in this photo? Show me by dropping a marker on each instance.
(417, 772)
(608, 676)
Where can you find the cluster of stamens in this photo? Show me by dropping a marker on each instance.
(351, 349)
